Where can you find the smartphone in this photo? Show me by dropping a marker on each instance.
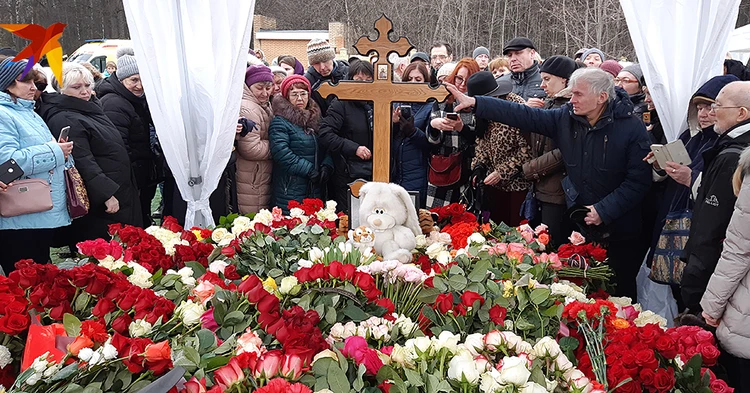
(452, 115)
(10, 171)
(64, 134)
(405, 111)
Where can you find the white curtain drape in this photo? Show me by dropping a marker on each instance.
(192, 58)
(680, 45)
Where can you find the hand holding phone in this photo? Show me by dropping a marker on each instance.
(64, 135)
(452, 116)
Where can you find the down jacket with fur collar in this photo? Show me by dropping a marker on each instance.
(254, 163)
(728, 294)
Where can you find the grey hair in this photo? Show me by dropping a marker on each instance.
(598, 80)
(72, 73)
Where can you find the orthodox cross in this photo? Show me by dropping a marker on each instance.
(382, 92)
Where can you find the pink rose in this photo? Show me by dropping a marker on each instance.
(517, 248)
(208, 321)
(499, 249)
(554, 261)
(576, 238)
(204, 291)
(540, 229)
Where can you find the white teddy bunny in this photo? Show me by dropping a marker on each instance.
(390, 212)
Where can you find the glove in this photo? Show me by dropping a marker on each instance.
(314, 176)
(406, 125)
(325, 174)
(247, 126)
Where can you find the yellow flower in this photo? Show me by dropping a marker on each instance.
(508, 288)
(532, 283)
(270, 285)
(197, 234)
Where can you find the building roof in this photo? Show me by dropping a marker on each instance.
(291, 34)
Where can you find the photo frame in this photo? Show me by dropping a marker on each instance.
(382, 71)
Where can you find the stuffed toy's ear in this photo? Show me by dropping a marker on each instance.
(412, 220)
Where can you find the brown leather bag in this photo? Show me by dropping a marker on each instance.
(75, 190)
(445, 170)
(26, 197)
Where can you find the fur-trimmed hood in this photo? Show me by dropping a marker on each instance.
(307, 119)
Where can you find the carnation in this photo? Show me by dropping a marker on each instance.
(5, 357)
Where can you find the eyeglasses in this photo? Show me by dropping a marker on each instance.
(41, 86)
(295, 96)
(625, 80)
(458, 81)
(714, 107)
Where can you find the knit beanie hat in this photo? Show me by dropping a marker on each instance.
(590, 51)
(562, 66)
(481, 51)
(126, 64)
(612, 67)
(9, 71)
(446, 69)
(278, 70)
(319, 51)
(635, 69)
(258, 73)
(286, 85)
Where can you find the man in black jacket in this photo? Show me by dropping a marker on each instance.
(715, 201)
(602, 145)
(524, 71)
(323, 68)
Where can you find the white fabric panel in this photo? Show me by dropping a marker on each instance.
(192, 58)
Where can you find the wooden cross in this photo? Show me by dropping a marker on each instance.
(382, 92)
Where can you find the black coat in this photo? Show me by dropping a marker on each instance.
(101, 159)
(132, 118)
(340, 72)
(604, 163)
(713, 209)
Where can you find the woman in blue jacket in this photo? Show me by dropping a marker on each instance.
(410, 146)
(301, 166)
(26, 139)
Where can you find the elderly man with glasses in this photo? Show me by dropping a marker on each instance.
(715, 201)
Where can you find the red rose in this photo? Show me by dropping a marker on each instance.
(444, 302)
(335, 269)
(646, 359)
(103, 307)
(386, 303)
(647, 377)
(664, 380)
(348, 271)
(429, 283)
(26, 277)
(364, 281)
(459, 310)
(650, 333)
(666, 346)
(58, 312)
(719, 386)
(228, 251)
(303, 275)
(249, 284)
(318, 271)
(230, 273)
(15, 307)
(373, 294)
(599, 254)
(128, 298)
(14, 324)
(256, 294)
(709, 352)
(468, 299)
(268, 304)
(121, 324)
(498, 314)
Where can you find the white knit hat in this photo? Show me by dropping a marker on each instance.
(446, 69)
(319, 51)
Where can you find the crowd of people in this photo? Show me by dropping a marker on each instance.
(561, 141)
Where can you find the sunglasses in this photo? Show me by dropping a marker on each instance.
(41, 86)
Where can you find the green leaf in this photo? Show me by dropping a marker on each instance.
(493, 287)
(539, 295)
(198, 269)
(321, 366)
(73, 388)
(67, 371)
(72, 325)
(458, 283)
(355, 313)
(414, 378)
(428, 295)
(480, 271)
(316, 229)
(206, 340)
(337, 380)
(192, 355)
(217, 361)
(523, 299)
(538, 376)
(81, 301)
(136, 386)
(234, 318)
(522, 324)
(439, 284)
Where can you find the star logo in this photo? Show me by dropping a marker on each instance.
(43, 42)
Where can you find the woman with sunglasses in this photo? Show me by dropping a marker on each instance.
(100, 154)
(26, 139)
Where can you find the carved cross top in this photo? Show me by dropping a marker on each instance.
(382, 92)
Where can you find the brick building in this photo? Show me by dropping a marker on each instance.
(275, 42)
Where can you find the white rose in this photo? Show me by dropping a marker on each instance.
(523, 347)
(350, 329)
(33, 379)
(239, 225)
(433, 250)
(444, 257)
(421, 241)
(532, 387)
(647, 317)
(447, 340)
(289, 285)
(5, 357)
(190, 313)
(304, 263)
(218, 234)
(403, 356)
(326, 353)
(421, 344)
(140, 276)
(85, 354)
(462, 367)
(264, 217)
(139, 328)
(109, 351)
(316, 254)
(186, 276)
(96, 358)
(406, 326)
(562, 363)
(217, 267)
(476, 237)
(490, 381)
(337, 331)
(474, 343)
(546, 347)
(514, 371)
(381, 333)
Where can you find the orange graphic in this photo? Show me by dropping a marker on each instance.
(43, 42)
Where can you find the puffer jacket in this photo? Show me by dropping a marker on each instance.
(526, 83)
(547, 168)
(503, 149)
(296, 152)
(254, 164)
(727, 296)
(409, 154)
(25, 138)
